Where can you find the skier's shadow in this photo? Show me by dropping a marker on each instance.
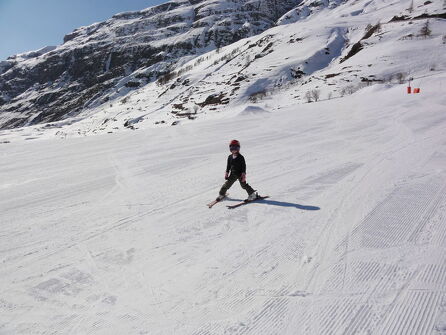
(283, 204)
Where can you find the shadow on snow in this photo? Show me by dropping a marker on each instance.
(283, 204)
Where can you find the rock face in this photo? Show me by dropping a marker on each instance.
(105, 60)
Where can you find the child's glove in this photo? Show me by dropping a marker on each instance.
(226, 176)
(243, 178)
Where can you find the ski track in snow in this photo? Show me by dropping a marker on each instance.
(111, 234)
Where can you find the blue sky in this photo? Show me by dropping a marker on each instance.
(32, 24)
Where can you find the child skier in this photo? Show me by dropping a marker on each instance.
(236, 169)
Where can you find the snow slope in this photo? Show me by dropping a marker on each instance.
(110, 234)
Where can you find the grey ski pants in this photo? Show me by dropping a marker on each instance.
(231, 180)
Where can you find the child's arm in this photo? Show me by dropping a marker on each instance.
(228, 167)
(243, 165)
(243, 170)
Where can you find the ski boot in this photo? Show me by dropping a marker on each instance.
(253, 196)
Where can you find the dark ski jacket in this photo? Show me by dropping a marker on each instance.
(236, 165)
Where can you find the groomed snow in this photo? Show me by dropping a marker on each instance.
(110, 234)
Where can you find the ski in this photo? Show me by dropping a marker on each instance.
(211, 204)
(246, 201)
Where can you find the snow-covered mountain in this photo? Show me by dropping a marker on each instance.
(109, 58)
(186, 60)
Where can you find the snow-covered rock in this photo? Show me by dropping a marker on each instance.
(31, 54)
(307, 8)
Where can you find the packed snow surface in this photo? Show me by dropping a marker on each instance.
(110, 234)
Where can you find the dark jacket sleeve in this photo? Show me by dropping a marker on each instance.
(228, 164)
(243, 165)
